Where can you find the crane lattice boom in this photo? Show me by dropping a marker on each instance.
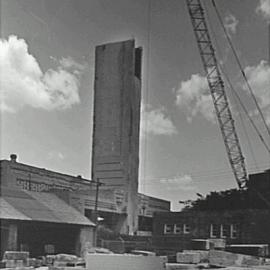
(218, 93)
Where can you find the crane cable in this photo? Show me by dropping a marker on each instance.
(237, 95)
(252, 153)
(246, 112)
(259, 194)
(240, 66)
(224, 72)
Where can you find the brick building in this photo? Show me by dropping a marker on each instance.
(248, 225)
(173, 231)
(36, 220)
(33, 197)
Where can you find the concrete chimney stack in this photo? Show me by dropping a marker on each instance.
(13, 157)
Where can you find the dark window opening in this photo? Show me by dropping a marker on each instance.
(89, 213)
(145, 224)
(138, 62)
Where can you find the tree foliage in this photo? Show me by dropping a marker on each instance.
(231, 199)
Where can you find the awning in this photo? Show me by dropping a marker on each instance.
(38, 206)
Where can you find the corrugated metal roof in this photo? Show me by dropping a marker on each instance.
(7, 211)
(38, 206)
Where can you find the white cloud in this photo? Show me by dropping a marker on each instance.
(72, 65)
(155, 121)
(264, 9)
(230, 23)
(23, 83)
(259, 79)
(194, 96)
(184, 182)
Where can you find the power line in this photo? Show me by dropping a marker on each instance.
(149, 21)
(223, 70)
(211, 174)
(240, 67)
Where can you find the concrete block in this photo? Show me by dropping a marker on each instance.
(49, 259)
(59, 264)
(249, 249)
(74, 268)
(32, 262)
(19, 263)
(244, 268)
(200, 244)
(43, 268)
(123, 262)
(15, 263)
(16, 255)
(204, 254)
(226, 259)
(217, 243)
(190, 257)
(52, 267)
(180, 266)
(10, 263)
(61, 260)
(66, 258)
(20, 268)
(164, 258)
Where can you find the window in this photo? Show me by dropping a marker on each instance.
(186, 228)
(49, 249)
(168, 228)
(234, 231)
(214, 230)
(145, 223)
(225, 230)
(177, 228)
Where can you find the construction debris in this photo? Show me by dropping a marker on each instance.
(181, 266)
(188, 257)
(249, 249)
(14, 259)
(204, 254)
(226, 259)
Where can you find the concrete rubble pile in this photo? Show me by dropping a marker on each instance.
(21, 261)
(104, 260)
(217, 259)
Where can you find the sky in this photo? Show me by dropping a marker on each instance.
(47, 74)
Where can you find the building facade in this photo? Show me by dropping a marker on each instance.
(117, 98)
(33, 218)
(245, 223)
(71, 191)
(260, 182)
(173, 231)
